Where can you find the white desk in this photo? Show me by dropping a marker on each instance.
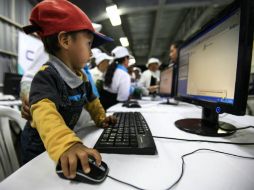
(204, 170)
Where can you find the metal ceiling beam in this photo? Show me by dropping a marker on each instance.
(156, 25)
(171, 6)
(172, 38)
(193, 20)
(199, 22)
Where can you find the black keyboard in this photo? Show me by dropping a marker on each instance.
(130, 135)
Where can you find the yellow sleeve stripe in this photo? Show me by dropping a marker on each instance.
(43, 67)
(96, 111)
(56, 136)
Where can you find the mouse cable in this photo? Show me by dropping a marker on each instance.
(207, 141)
(125, 183)
(182, 166)
(242, 128)
(198, 150)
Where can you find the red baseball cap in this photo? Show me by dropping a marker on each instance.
(53, 16)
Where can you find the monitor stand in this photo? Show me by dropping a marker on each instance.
(209, 125)
(168, 102)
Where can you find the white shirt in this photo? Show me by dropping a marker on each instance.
(145, 79)
(121, 84)
(96, 74)
(41, 57)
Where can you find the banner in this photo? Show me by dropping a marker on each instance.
(29, 49)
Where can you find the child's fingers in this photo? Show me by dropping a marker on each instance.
(65, 166)
(94, 153)
(83, 157)
(25, 109)
(110, 119)
(113, 119)
(72, 166)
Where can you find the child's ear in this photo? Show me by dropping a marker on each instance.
(63, 40)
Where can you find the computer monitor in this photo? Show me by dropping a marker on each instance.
(12, 84)
(214, 68)
(166, 87)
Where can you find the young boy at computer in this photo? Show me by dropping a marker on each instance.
(60, 89)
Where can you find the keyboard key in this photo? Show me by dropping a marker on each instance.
(124, 144)
(106, 143)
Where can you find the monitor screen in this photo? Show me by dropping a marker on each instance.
(12, 84)
(207, 65)
(166, 82)
(214, 66)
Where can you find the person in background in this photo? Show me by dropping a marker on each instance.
(173, 51)
(131, 64)
(91, 64)
(173, 58)
(102, 61)
(137, 72)
(41, 57)
(117, 82)
(60, 89)
(151, 77)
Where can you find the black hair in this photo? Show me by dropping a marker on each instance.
(111, 70)
(177, 43)
(51, 44)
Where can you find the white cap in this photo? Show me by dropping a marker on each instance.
(120, 52)
(102, 56)
(97, 27)
(95, 52)
(132, 61)
(137, 69)
(153, 60)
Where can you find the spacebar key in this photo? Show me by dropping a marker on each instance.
(106, 144)
(121, 144)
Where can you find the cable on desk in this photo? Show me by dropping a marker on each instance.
(182, 168)
(125, 183)
(207, 141)
(242, 128)
(198, 150)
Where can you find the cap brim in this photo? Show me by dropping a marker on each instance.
(31, 28)
(100, 39)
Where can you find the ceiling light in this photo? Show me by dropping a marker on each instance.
(113, 15)
(124, 41)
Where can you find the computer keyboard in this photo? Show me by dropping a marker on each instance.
(130, 135)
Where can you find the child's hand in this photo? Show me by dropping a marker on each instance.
(153, 88)
(109, 120)
(77, 152)
(25, 109)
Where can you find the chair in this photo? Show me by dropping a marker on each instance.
(8, 160)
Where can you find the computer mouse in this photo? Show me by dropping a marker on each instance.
(131, 104)
(97, 174)
(134, 105)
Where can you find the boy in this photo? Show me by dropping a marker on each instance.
(60, 89)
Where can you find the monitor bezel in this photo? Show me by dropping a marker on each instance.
(9, 80)
(243, 60)
(172, 86)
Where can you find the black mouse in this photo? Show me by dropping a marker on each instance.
(134, 105)
(131, 104)
(96, 175)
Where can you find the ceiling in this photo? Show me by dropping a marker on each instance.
(151, 25)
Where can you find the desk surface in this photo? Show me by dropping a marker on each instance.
(203, 170)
